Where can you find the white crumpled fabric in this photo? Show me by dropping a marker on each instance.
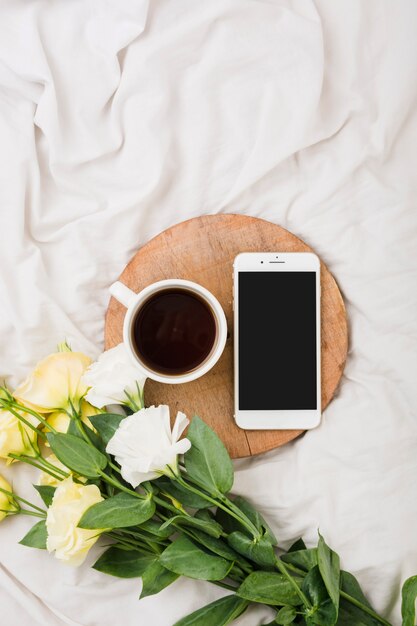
(119, 119)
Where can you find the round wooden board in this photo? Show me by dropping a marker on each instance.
(203, 249)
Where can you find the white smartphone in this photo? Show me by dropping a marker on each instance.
(277, 340)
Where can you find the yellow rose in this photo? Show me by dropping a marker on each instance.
(15, 436)
(55, 382)
(47, 479)
(7, 503)
(69, 503)
(60, 421)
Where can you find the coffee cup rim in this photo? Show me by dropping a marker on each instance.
(221, 329)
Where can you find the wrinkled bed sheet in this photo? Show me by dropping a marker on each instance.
(119, 119)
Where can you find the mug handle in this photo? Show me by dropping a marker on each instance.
(123, 294)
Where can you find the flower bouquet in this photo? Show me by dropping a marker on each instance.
(163, 501)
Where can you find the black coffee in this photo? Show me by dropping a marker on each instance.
(174, 331)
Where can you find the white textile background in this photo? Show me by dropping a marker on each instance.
(119, 119)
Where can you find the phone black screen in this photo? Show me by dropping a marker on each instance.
(277, 341)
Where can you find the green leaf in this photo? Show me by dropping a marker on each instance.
(46, 492)
(73, 429)
(408, 605)
(286, 615)
(218, 613)
(77, 454)
(154, 528)
(256, 518)
(350, 585)
(123, 563)
(155, 578)
(260, 551)
(297, 545)
(268, 588)
(218, 546)
(106, 424)
(210, 527)
(119, 511)
(36, 537)
(303, 559)
(185, 558)
(206, 515)
(350, 615)
(229, 523)
(187, 498)
(329, 566)
(324, 612)
(207, 461)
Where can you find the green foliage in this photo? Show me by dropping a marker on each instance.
(304, 559)
(177, 491)
(36, 537)
(46, 492)
(323, 612)
(329, 566)
(119, 511)
(256, 518)
(258, 550)
(222, 541)
(80, 429)
(155, 578)
(268, 588)
(218, 613)
(207, 461)
(408, 606)
(217, 546)
(154, 528)
(210, 527)
(297, 545)
(185, 558)
(350, 585)
(124, 563)
(106, 424)
(77, 454)
(286, 615)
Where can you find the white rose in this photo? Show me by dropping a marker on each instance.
(69, 503)
(114, 379)
(144, 445)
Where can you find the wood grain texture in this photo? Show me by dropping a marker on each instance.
(203, 249)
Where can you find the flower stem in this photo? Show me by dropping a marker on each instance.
(113, 466)
(129, 542)
(241, 518)
(282, 568)
(148, 539)
(344, 595)
(30, 461)
(364, 608)
(223, 585)
(22, 419)
(16, 497)
(167, 506)
(11, 403)
(52, 467)
(256, 533)
(113, 481)
(31, 513)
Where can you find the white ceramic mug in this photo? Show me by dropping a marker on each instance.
(133, 302)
